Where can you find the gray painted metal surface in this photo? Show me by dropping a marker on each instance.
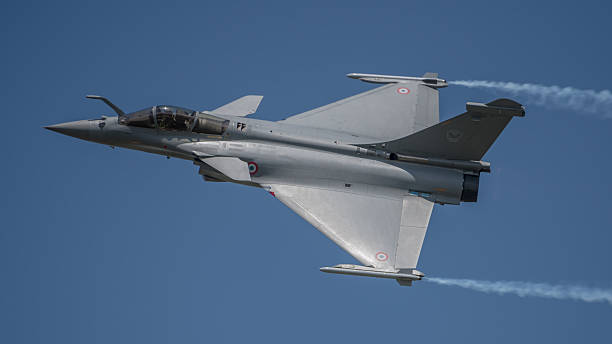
(240, 107)
(365, 170)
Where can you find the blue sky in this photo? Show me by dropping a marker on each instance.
(101, 245)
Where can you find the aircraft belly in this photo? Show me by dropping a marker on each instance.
(328, 170)
(299, 166)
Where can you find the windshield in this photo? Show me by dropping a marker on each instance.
(168, 117)
(142, 118)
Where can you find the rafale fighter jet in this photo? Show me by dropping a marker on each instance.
(365, 170)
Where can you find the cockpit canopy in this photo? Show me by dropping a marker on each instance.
(175, 118)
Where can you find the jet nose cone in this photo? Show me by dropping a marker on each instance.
(78, 129)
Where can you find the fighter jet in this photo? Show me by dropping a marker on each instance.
(366, 170)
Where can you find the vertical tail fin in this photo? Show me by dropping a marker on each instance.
(464, 137)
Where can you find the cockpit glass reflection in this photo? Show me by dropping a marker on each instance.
(208, 124)
(174, 118)
(168, 117)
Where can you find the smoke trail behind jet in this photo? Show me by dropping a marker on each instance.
(523, 289)
(582, 101)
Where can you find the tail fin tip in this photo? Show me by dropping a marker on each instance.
(505, 103)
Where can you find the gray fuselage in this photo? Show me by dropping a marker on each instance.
(283, 153)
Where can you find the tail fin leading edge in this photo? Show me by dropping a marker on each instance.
(464, 137)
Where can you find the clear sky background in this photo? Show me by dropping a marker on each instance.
(116, 246)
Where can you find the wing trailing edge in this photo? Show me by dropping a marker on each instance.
(382, 229)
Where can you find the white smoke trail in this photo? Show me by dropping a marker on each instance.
(584, 101)
(522, 289)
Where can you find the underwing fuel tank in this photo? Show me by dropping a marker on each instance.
(404, 278)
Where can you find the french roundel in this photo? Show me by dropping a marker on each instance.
(403, 90)
(252, 168)
(382, 256)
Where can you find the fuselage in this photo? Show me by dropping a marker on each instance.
(283, 153)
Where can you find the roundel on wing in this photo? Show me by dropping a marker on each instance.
(454, 135)
(403, 90)
(252, 168)
(382, 256)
